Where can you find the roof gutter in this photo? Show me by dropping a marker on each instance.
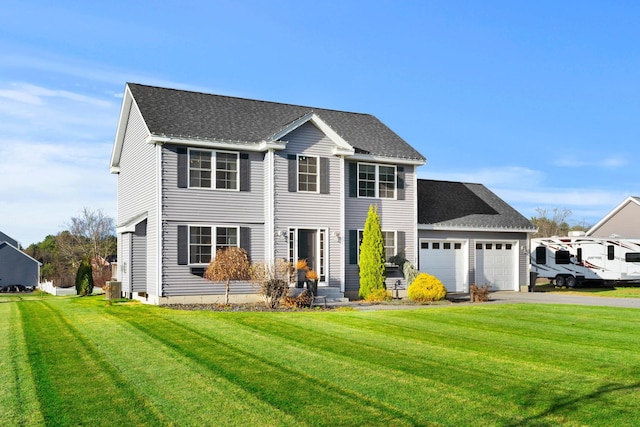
(221, 144)
(464, 228)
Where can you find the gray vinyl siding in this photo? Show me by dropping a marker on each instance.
(139, 258)
(208, 207)
(309, 210)
(178, 280)
(481, 236)
(16, 268)
(5, 238)
(395, 215)
(624, 223)
(137, 184)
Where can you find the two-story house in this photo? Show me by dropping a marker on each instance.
(199, 172)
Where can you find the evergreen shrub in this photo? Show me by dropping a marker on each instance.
(84, 279)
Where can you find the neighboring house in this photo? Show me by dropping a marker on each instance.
(16, 267)
(468, 235)
(622, 222)
(199, 172)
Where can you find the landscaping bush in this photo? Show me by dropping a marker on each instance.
(378, 295)
(372, 262)
(273, 290)
(408, 270)
(304, 299)
(479, 293)
(84, 279)
(427, 288)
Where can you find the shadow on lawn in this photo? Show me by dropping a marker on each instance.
(565, 406)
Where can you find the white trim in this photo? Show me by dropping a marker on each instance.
(611, 214)
(214, 235)
(130, 225)
(342, 238)
(317, 190)
(383, 159)
(270, 227)
(159, 226)
(217, 144)
(123, 122)
(214, 169)
(377, 181)
(463, 228)
(312, 117)
(327, 253)
(25, 254)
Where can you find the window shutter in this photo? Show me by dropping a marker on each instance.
(293, 172)
(183, 169)
(353, 246)
(324, 175)
(245, 172)
(400, 183)
(183, 245)
(400, 238)
(245, 239)
(353, 180)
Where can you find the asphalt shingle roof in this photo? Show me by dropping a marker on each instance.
(460, 204)
(180, 113)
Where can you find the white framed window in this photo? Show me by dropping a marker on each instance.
(376, 181)
(390, 243)
(205, 164)
(203, 245)
(308, 174)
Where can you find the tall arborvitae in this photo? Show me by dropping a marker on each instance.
(372, 262)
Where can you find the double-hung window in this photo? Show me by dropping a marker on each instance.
(201, 242)
(376, 181)
(308, 174)
(206, 164)
(389, 243)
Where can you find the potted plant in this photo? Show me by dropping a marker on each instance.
(312, 282)
(302, 268)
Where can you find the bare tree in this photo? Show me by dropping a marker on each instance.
(551, 223)
(229, 264)
(89, 237)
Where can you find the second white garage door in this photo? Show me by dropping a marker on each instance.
(447, 261)
(496, 265)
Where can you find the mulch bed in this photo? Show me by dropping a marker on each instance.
(247, 307)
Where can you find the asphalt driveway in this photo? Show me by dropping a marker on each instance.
(555, 298)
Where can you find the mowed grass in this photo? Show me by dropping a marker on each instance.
(594, 291)
(76, 361)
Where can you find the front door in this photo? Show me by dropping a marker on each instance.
(307, 247)
(309, 244)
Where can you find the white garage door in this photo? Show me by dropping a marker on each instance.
(496, 265)
(446, 261)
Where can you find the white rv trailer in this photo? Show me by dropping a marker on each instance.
(571, 261)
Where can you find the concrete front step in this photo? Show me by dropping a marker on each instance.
(332, 295)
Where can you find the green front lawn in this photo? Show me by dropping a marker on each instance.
(593, 291)
(76, 361)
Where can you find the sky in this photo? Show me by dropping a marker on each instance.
(537, 100)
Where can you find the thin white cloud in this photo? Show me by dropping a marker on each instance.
(506, 177)
(599, 162)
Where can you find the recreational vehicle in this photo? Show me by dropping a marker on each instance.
(571, 261)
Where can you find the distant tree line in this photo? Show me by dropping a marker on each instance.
(553, 222)
(89, 238)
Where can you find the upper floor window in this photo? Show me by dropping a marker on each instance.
(376, 181)
(308, 174)
(203, 164)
